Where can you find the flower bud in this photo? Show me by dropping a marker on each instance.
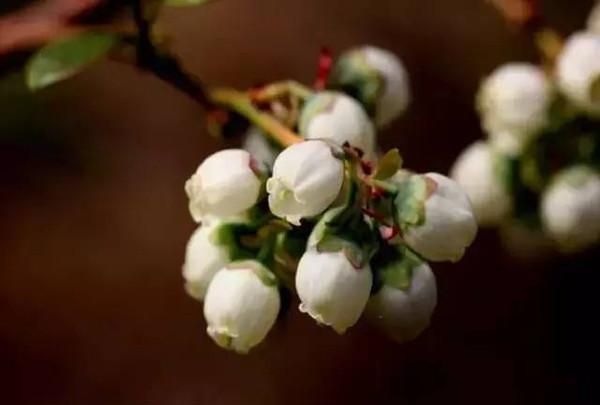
(448, 225)
(331, 290)
(259, 147)
(339, 118)
(225, 184)
(514, 100)
(377, 78)
(474, 171)
(241, 306)
(306, 179)
(578, 71)
(571, 208)
(404, 314)
(593, 21)
(203, 258)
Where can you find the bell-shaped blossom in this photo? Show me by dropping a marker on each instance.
(227, 183)
(578, 71)
(241, 306)
(306, 179)
(514, 101)
(203, 259)
(404, 314)
(475, 172)
(331, 290)
(338, 118)
(570, 208)
(448, 226)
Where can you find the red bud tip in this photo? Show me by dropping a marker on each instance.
(324, 68)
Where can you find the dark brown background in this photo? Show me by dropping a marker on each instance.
(93, 224)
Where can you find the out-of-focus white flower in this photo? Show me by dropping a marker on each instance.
(593, 21)
(203, 258)
(474, 171)
(259, 147)
(578, 71)
(331, 290)
(449, 225)
(306, 179)
(339, 118)
(225, 184)
(403, 315)
(509, 143)
(571, 208)
(514, 100)
(377, 78)
(395, 96)
(240, 307)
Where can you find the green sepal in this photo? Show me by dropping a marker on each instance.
(357, 255)
(64, 58)
(394, 266)
(264, 274)
(410, 201)
(344, 228)
(505, 168)
(399, 273)
(353, 75)
(238, 239)
(388, 165)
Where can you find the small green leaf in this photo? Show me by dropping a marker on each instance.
(62, 59)
(185, 3)
(388, 165)
(410, 201)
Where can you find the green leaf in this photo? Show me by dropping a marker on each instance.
(185, 3)
(410, 201)
(62, 59)
(388, 165)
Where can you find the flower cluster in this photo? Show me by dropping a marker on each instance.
(539, 166)
(327, 218)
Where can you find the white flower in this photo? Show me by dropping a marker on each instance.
(307, 178)
(578, 71)
(259, 147)
(225, 184)
(571, 208)
(514, 99)
(449, 225)
(593, 21)
(509, 143)
(474, 171)
(240, 308)
(403, 315)
(377, 78)
(332, 291)
(394, 98)
(339, 118)
(203, 258)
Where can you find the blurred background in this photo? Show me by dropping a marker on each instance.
(94, 221)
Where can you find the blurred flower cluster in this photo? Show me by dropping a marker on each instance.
(538, 169)
(326, 217)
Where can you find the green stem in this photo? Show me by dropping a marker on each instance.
(279, 89)
(240, 102)
(166, 67)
